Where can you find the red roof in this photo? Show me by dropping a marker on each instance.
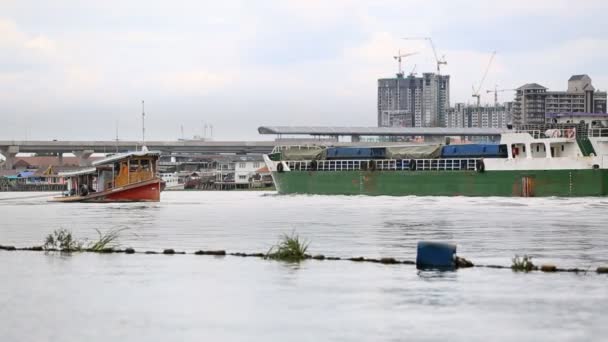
(46, 161)
(263, 169)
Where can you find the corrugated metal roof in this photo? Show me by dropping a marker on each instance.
(117, 157)
(25, 174)
(380, 131)
(86, 171)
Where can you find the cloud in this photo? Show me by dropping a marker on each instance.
(241, 64)
(193, 82)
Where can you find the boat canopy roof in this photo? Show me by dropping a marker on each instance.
(87, 171)
(121, 156)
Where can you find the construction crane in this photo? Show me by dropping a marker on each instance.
(496, 91)
(399, 58)
(483, 78)
(438, 61)
(413, 72)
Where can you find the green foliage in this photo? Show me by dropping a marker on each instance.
(523, 263)
(290, 248)
(62, 239)
(105, 240)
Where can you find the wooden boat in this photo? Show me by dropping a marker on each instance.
(127, 177)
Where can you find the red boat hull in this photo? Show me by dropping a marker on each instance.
(147, 191)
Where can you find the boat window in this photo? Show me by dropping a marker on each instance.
(134, 166)
(562, 148)
(145, 164)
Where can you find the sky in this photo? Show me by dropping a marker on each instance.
(79, 69)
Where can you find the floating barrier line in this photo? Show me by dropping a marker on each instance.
(460, 262)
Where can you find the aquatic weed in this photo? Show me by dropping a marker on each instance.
(290, 248)
(105, 240)
(523, 263)
(62, 239)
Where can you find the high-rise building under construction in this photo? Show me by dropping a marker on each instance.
(413, 101)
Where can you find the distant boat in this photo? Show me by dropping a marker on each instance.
(172, 181)
(127, 177)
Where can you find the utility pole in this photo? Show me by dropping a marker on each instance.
(143, 125)
(116, 136)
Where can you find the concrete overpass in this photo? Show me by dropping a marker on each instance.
(84, 149)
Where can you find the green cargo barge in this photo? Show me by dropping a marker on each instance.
(445, 183)
(552, 166)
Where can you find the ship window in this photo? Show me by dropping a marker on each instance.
(537, 148)
(562, 148)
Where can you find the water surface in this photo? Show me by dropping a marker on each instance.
(186, 298)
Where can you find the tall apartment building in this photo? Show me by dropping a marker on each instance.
(533, 101)
(462, 115)
(413, 101)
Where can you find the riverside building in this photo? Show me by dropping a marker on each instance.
(462, 115)
(533, 101)
(413, 101)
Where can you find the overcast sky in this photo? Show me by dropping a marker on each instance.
(74, 69)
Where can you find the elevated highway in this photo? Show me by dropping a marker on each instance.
(84, 149)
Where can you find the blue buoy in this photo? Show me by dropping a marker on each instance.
(435, 255)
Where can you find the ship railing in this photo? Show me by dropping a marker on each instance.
(551, 133)
(384, 165)
(535, 133)
(598, 132)
(280, 148)
(468, 164)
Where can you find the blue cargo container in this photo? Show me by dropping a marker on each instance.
(356, 153)
(474, 151)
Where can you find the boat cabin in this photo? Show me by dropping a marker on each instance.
(116, 172)
(554, 143)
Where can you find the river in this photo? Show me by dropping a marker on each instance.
(58, 297)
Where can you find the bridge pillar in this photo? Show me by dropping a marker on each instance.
(9, 154)
(83, 157)
(60, 158)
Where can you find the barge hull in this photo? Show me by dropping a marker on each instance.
(566, 183)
